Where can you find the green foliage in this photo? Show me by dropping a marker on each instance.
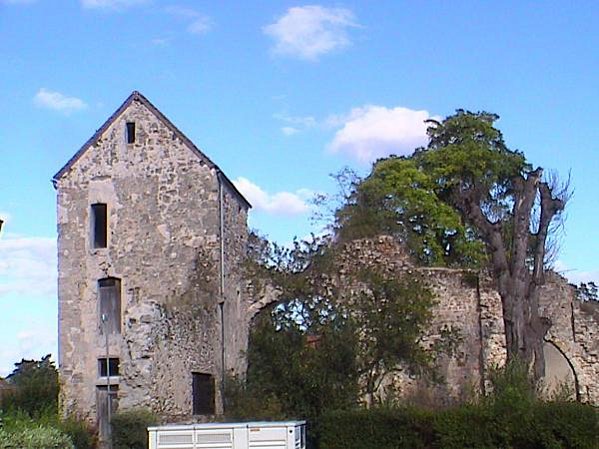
(35, 437)
(302, 371)
(35, 389)
(250, 402)
(19, 422)
(467, 148)
(80, 432)
(587, 291)
(29, 411)
(390, 317)
(546, 426)
(129, 428)
(513, 387)
(398, 198)
(384, 428)
(308, 353)
(511, 417)
(312, 351)
(414, 198)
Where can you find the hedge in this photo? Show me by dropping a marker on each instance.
(540, 426)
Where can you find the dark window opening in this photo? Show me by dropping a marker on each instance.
(112, 368)
(130, 132)
(203, 394)
(99, 225)
(109, 292)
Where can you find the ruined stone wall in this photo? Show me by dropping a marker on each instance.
(585, 357)
(464, 309)
(575, 332)
(163, 243)
(236, 324)
(469, 303)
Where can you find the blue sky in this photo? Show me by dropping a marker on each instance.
(280, 95)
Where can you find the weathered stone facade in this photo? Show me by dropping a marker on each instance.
(176, 236)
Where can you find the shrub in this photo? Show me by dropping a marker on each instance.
(248, 402)
(129, 428)
(467, 427)
(36, 437)
(553, 425)
(81, 433)
(375, 429)
(34, 388)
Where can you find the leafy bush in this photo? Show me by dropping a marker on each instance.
(375, 429)
(35, 388)
(245, 402)
(81, 433)
(129, 428)
(37, 437)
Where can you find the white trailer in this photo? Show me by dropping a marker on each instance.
(250, 435)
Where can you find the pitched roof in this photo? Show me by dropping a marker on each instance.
(136, 96)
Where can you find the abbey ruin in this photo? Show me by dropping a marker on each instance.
(154, 310)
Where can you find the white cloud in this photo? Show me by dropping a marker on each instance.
(30, 343)
(27, 266)
(295, 123)
(199, 23)
(305, 121)
(27, 298)
(371, 132)
(181, 11)
(280, 203)
(111, 4)
(307, 32)
(289, 130)
(160, 41)
(46, 98)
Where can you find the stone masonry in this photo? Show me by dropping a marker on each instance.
(176, 236)
(468, 303)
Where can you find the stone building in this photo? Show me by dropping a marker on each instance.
(151, 235)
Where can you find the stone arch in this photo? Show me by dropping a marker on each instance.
(559, 370)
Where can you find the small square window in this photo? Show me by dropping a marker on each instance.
(130, 132)
(113, 367)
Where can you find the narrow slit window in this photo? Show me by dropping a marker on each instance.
(130, 132)
(109, 292)
(110, 369)
(99, 225)
(203, 394)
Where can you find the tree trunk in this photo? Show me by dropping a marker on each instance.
(517, 281)
(525, 330)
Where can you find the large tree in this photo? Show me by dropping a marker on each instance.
(466, 200)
